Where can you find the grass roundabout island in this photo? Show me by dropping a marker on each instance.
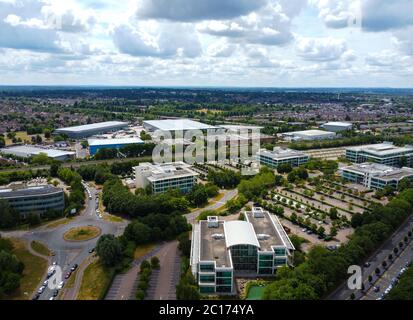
(82, 233)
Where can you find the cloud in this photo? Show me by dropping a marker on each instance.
(170, 40)
(190, 10)
(322, 49)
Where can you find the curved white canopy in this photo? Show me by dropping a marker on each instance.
(240, 233)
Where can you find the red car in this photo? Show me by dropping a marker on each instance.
(67, 276)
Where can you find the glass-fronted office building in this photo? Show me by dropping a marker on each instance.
(273, 159)
(221, 251)
(384, 153)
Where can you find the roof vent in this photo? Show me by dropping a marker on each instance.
(213, 222)
(263, 236)
(218, 236)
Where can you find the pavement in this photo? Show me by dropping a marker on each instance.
(69, 253)
(228, 195)
(376, 260)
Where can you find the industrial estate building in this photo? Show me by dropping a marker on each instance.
(221, 250)
(308, 135)
(28, 151)
(337, 126)
(376, 176)
(384, 153)
(273, 159)
(173, 125)
(162, 177)
(38, 200)
(88, 130)
(96, 144)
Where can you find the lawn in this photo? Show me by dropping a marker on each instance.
(40, 248)
(82, 233)
(22, 135)
(58, 223)
(34, 270)
(142, 250)
(95, 282)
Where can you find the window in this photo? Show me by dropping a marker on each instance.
(206, 267)
(207, 278)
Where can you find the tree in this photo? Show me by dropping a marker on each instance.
(33, 219)
(334, 213)
(54, 168)
(155, 263)
(47, 133)
(284, 168)
(41, 159)
(187, 288)
(109, 250)
(9, 218)
(138, 232)
(184, 244)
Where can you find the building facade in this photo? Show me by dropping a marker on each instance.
(97, 144)
(337, 126)
(29, 151)
(38, 200)
(376, 176)
(222, 250)
(163, 177)
(308, 135)
(384, 153)
(273, 159)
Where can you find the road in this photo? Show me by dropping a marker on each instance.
(69, 253)
(228, 195)
(376, 260)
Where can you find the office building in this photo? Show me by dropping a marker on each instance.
(376, 176)
(383, 153)
(337, 126)
(97, 144)
(161, 177)
(88, 130)
(222, 250)
(38, 200)
(308, 135)
(29, 151)
(273, 159)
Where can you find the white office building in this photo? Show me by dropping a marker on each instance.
(273, 159)
(162, 177)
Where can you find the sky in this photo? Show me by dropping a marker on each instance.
(242, 43)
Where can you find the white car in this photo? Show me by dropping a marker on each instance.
(41, 290)
(46, 283)
(51, 298)
(60, 285)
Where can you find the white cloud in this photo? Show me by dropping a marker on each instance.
(321, 49)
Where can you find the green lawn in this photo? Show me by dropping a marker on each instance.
(95, 282)
(34, 270)
(40, 248)
(256, 293)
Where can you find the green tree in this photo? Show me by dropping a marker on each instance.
(109, 250)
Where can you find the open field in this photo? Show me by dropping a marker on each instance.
(34, 269)
(95, 281)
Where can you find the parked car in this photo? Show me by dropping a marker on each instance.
(41, 290)
(60, 285)
(74, 267)
(92, 250)
(67, 276)
(376, 289)
(36, 296)
(367, 264)
(55, 293)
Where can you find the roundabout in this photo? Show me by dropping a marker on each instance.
(84, 233)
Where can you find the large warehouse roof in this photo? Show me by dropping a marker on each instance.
(119, 141)
(177, 125)
(94, 126)
(29, 151)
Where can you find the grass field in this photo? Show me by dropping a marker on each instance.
(82, 233)
(40, 248)
(23, 136)
(140, 251)
(58, 223)
(255, 293)
(95, 281)
(34, 269)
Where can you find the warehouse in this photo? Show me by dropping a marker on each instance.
(97, 144)
(38, 200)
(28, 151)
(308, 135)
(173, 125)
(80, 132)
(223, 249)
(337, 126)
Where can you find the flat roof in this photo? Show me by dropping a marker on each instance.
(33, 150)
(108, 142)
(310, 133)
(382, 171)
(94, 126)
(282, 153)
(214, 248)
(269, 230)
(381, 149)
(178, 125)
(338, 124)
(166, 171)
(28, 191)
